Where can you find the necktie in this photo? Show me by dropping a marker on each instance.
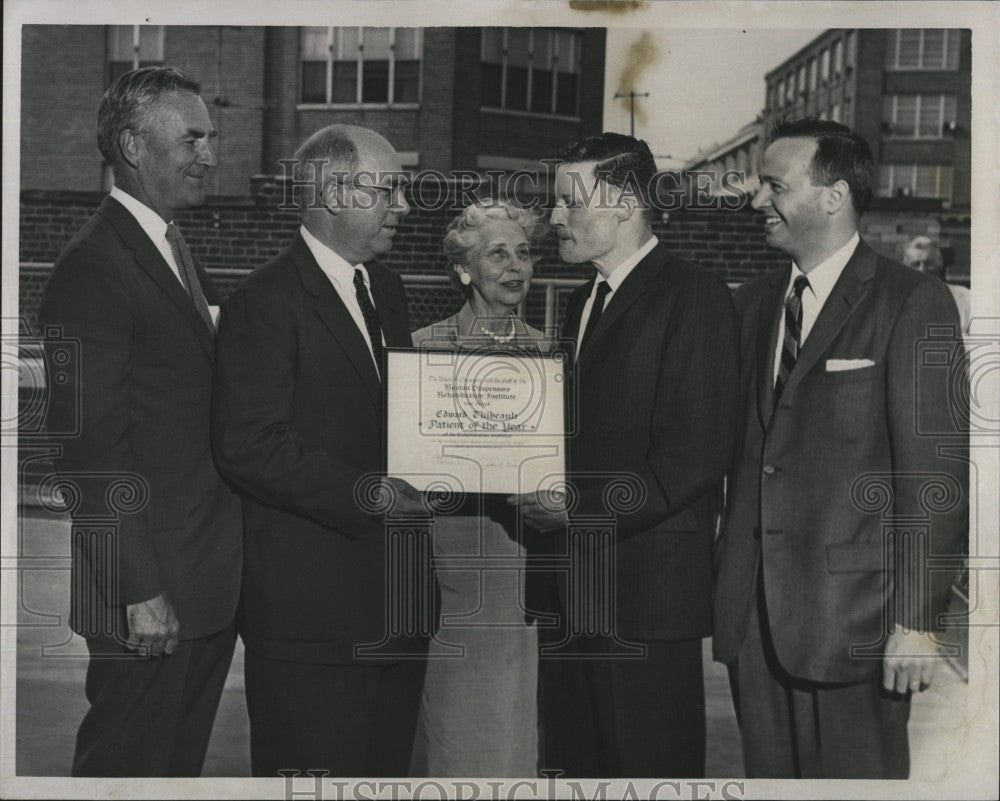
(793, 333)
(596, 310)
(185, 266)
(370, 314)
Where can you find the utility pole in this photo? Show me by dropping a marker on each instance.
(631, 107)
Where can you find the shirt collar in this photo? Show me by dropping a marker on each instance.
(330, 262)
(150, 222)
(824, 275)
(621, 272)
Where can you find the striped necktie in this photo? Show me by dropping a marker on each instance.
(189, 278)
(792, 342)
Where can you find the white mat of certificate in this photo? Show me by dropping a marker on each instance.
(475, 421)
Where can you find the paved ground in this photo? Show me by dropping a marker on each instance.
(51, 665)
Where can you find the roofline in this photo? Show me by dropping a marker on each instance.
(783, 66)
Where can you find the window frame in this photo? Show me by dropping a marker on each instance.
(919, 66)
(941, 98)
(944, 176)
(359, 102)
(136, 61)
(576, 61)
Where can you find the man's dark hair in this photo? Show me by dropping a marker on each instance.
(129, 102)
(841, 155)
(622, 161)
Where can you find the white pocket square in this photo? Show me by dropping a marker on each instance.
(839, 365)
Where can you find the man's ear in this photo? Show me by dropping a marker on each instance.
(835, 196)
(333, 195)
(130, 146)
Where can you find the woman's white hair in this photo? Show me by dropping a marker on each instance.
(464, 232)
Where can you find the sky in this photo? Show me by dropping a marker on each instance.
(704, 85)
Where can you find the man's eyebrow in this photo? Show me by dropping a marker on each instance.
(198, 133)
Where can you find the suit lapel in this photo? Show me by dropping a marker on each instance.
(392, 317)
(852, 285)
(149, 258)
(335, 315)
(768, 317)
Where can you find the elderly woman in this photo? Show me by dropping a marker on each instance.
(478, 715)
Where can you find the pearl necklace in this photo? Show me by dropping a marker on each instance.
(503, 340)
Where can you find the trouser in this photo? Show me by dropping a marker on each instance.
(347, 720)
(151, 716)
(798, 729)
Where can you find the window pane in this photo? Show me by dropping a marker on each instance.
(566, 88)
(120, 47)
(568, 51)
(790, 87)
(933, 49)
(375, 82)
(491, 76)
(906, 115)
(541, 71)
(802, 78)
(930, 116)
(345, 82)
(493, 45)
(891, 37)
(849, 49)
(927, 180)
(909, 48)
(376, 44)
(406, 86)
(517, 68)
(884, 180)
(314, 46)
(313, 81)
(838, 58)
(950, 108)
(151, 43)
(407, 44)
(835, 112)
(812, 74)
(346, 44)
(951, 60)
(824, 71)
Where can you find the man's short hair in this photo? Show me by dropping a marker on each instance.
(128, 103)
(622, 161)
(841, 155)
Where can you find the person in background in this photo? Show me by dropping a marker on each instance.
(922, 253)
(479, 715)
(156, 605)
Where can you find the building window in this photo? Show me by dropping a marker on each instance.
(824, 70)
(351, 66)
(838, 58)
(919, 116)
(531, 69)
(802, 79)
(812, 75)
(922, 49)
(133, 46)
(835, 112)
(849, 52)
(779, 93)
(916, 180)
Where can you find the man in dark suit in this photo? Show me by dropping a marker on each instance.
(657, 376)
(297, 423)
(840, 487)
(156, 604)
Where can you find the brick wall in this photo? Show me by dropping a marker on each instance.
(241, 234)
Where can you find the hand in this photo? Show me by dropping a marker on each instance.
(408, 501)
(544, 510)
(910, 660)
(153, 625)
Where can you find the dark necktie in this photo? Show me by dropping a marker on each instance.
(793, 333)
(596, 310)
(370, 314)
(185, 266)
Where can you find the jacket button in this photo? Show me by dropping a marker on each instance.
(756, 533)
(769, 469)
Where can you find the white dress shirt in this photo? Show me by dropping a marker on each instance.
(341, 275)
(821, 280)
(614, 279)
(150, 222)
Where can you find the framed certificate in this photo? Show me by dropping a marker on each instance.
(476, 421)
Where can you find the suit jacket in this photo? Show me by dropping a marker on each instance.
(793, 503)
(142, 404)
(297, 421)
(656, 391)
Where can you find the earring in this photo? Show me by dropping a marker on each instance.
(465, 278)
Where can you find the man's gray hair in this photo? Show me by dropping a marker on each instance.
(128, 104)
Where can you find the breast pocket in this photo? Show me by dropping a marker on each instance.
(845, 402)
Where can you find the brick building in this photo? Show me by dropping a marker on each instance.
(447, 98)
(908, 92)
